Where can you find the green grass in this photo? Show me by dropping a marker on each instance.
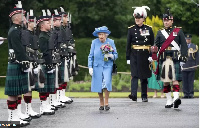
(92, 94)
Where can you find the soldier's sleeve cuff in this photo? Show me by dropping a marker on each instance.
(49, 67)
(183, 59)
(24, 65)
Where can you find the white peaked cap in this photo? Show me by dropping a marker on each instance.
(31, 12)
(19, 5)
(62, 9)
(48, 12)
(44, 13)
(141, 10)
(56, 12)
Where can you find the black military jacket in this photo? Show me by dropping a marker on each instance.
(58, 39)
(67, 34)
(139, 58)
(179, 39)
(44, 47)
(15, 43)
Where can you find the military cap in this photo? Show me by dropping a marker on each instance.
(17, 9)
(56, 15)
(167, 15)
(31, 16)
(140, 12)
(62, 12)
(188, 36)
(44, 17)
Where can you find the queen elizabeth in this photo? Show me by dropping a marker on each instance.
(100, 68)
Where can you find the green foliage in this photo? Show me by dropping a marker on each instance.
(155, 22)
(115, 14)
(196, 85)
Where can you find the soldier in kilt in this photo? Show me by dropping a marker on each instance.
(172, 55)
(44, 46)
(18, 64)
(64, 68)
(139, 40)
(55, 40)
(31, 45)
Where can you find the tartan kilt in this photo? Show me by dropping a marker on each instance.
(177, 67)
(49, 85)
(16, 80)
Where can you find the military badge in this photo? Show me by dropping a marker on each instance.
(174, 33)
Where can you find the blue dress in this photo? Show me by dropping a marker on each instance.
(102, 70)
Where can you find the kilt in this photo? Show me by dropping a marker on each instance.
(16, 80)
(49, 85)
(177, 67)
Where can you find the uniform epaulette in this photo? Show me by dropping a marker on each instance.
(177, 27)
(161, 28)
(148, 25)
(131, 26)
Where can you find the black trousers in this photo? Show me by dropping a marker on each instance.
(188, 83)
(134, 87)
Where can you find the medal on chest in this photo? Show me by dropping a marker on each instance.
(144, 32)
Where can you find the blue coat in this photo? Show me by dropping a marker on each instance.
(101, 69)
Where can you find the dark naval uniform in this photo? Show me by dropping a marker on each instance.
(171, 52)
(188, 72)
(16, 78)
(45, 48)
(139, 41)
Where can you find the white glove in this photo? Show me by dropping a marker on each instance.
(109, 55)
(27, 70)
(70, 47)
(51, 71)
(182, 63)
(150, 59)
(91, 71)
(73, 45)
(35, 70)
(128, 62)
(1, 42)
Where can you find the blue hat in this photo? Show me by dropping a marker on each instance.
(103, 29)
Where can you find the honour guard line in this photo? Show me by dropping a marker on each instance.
(42, 57)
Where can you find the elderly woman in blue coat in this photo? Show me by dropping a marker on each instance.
(99, 69)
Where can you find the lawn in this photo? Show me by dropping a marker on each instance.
(92, 95)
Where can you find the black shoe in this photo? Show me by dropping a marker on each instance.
(48, 113)
(144, 99)
(130, 96)
(107, 107)
(101, 108)
(169, 106)
(185, 97)
(191, 97)
(36, 116)
(27, 119)
(134, 98)
(177, 102)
